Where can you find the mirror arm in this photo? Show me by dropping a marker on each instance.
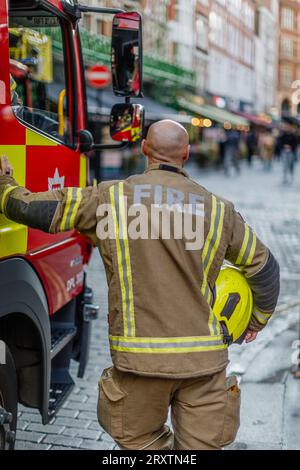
(111, 11)
(122, 145)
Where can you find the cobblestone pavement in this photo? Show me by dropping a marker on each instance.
(273, 211)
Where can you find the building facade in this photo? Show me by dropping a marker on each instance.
(289, 57)
(266, 56)
(189, 37)
(245, 54)
(155, 13)
(232, 52)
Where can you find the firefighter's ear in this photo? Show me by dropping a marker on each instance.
(186, 153)
(144, 147)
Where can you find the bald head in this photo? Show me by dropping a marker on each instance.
(167, 141)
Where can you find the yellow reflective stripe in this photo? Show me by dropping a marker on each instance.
(167, 345)
(218, 238)
(261, 317)
(127, 258)
(205, 286)
(209, 295)
(246, 254)
(212, 322)
(210, 249)
(178, 339)
(74, 196)
(66, 211)
(244, 245)
(211, 229)
(5, 194)
(168, 350)
(119, 257)
(75, 208)
(214, 325)
(252, 251)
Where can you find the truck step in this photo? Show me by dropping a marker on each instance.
(58, 394)
(60, 337)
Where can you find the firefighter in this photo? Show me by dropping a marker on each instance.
(168, 348)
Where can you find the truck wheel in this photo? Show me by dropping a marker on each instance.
(8, 403)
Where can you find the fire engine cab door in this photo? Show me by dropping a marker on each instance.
(37, 118)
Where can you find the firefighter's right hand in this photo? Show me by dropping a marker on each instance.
(6, 168)
(250, 336)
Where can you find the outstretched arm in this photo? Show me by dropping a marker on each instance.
(51, 211)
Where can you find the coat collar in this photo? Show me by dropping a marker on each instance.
(157, 166)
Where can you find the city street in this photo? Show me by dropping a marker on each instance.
(270, 414)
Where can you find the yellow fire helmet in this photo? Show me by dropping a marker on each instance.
(233, 303)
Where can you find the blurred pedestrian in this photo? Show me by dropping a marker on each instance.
(231, 154)
(251, 142)
(288, 146)
(298, 144)
(277, 144)
(221, 137)
(267, 149)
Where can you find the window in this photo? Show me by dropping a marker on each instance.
(87, 22)
(217, 28)
(201, 32)
(171, 11)
(249, 16)
(38, 91)
(248, 50)
(233, 40)
(100, 27)
(234, 7)
(286, 76)
(287, 18)
(287, 46)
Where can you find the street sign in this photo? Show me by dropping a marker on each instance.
(98, 76)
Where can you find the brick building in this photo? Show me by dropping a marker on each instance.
(289, 55)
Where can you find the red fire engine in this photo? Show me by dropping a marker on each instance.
(45, 304)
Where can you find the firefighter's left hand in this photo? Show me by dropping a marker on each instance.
(250, 336)
(5, 167)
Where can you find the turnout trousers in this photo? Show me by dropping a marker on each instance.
(204, 411)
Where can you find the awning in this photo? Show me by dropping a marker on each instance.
(212, 112)
(101, 102)
(255, 119)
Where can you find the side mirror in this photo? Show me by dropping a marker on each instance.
(126, 54)
(127, 122)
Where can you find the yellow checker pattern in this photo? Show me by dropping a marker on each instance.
(13, 237)
(36, 139)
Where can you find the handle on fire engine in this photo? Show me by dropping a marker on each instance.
(61, 117)
(90, 9)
